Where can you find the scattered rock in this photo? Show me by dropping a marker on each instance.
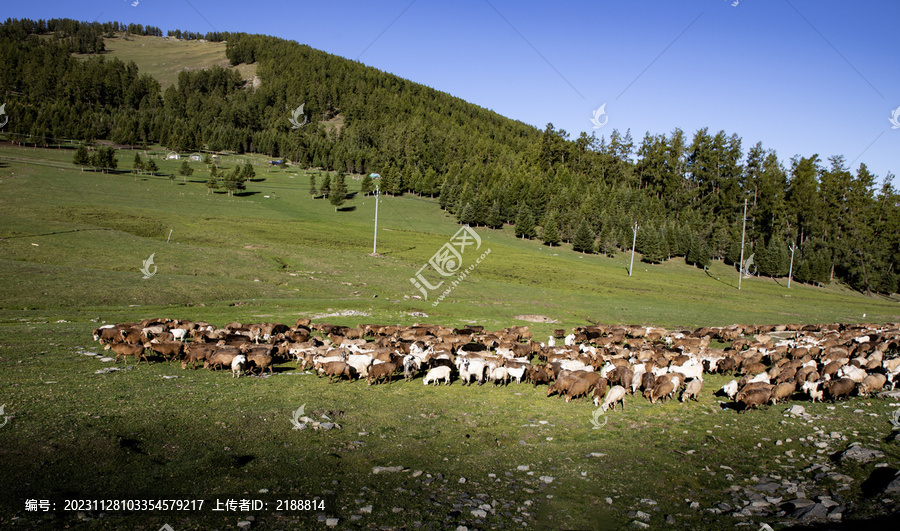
(860, 454)
(366, 510)
(331, 522)
(641, 515)
(380, 469)
(522, 468)
(816, 511)
(796, 410)
(547, 479)
(244, 524)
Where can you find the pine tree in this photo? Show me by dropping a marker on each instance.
(584, 238)
(326, 185)
(247, 172)
(312, 185)
(138, 165)
(494, 220)
(82, 157)
(213, 182)
(367, 186)
(151, 167)
(550, 230)
(185, 170)
(652, 253)
(524, 223)
(467, 215)
(607, 243)
(338, 191)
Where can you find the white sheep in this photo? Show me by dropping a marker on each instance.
(238, 364)
(814, 390)
(516, 373)
(615, 395)
(730, 389)
(692, 390)
(441, 372)
(500, 374)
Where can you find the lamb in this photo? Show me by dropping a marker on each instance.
(615, 396)
(813, 389)
(436, 374)
(692, 391)
(238, 364)
(127, 349)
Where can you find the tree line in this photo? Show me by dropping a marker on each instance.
(685, 192)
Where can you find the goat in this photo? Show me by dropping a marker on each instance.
(615, 396)
(436, 374)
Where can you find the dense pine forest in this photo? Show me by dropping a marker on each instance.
(684, 192)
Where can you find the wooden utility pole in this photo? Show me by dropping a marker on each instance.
(743, 230)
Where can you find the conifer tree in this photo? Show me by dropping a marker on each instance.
(583, 241)
(367, 186)
(312, 185)
(326, 185)
(550, 230)
(82, 157)
(494, 220)
(213, 182)
(525, 223)
(338, 192)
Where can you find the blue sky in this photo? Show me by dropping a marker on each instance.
(801, 76)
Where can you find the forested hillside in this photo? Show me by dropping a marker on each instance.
(684, 191)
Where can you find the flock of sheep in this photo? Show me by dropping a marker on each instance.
(603, 363)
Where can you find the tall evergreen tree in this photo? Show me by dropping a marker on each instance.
(550, 230)
(312, 185)
(338, 194)
(525, 223)
(583, 241)
(82, 157)
(326, 185)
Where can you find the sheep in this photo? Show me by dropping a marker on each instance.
(380, 371)
(580, 387)
(221, 357)
(782, 391)
(166, 349)
(238, 364)
(361, 363)
(516, 373)
(260, 359)
(730, 389)
(335, 370)
(839, 388)
(500, 374)
(470, 368)
(661, 390)
(127, 349)
(814, 390)
(616, 395)
(752, 398)
(690, 369)
(436, 374)
(692, 390)
(196, 352)
(854, 373)
(411, 365)
(872, 382)
(539, 374)
(562, 383)
(599, 390)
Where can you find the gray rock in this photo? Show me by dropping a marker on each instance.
(244, 524)
(796, 410)
(860, 454)
(641, 515)
(812, 512)
(331, 522)
(366, 510)
(894, 486)
(639, 524)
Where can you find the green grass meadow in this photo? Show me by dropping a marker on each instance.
(72, 244)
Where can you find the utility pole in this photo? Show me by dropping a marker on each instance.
(743, 230)
(791, 270)
(633, 241)
(375, 241)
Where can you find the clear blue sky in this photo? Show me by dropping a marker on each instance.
(801, 76)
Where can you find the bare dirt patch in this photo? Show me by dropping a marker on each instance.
(535, 319)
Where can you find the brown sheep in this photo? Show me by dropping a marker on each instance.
(169, 350)
(127, 349)
(752, 398)
(197, 352)
(692, 390)
(221, 357)
(782, 391)
(872, 382)
(835, 389)
(580, 387)
(539, 374)
(335, 370)
(384, 370)
(648, 380)
(564, 380)
(260, 359)
(661, 391)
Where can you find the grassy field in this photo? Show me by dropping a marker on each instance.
(71, 247)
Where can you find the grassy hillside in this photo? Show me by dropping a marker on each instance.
(85, 235)
(71, 247)
(163, 57)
